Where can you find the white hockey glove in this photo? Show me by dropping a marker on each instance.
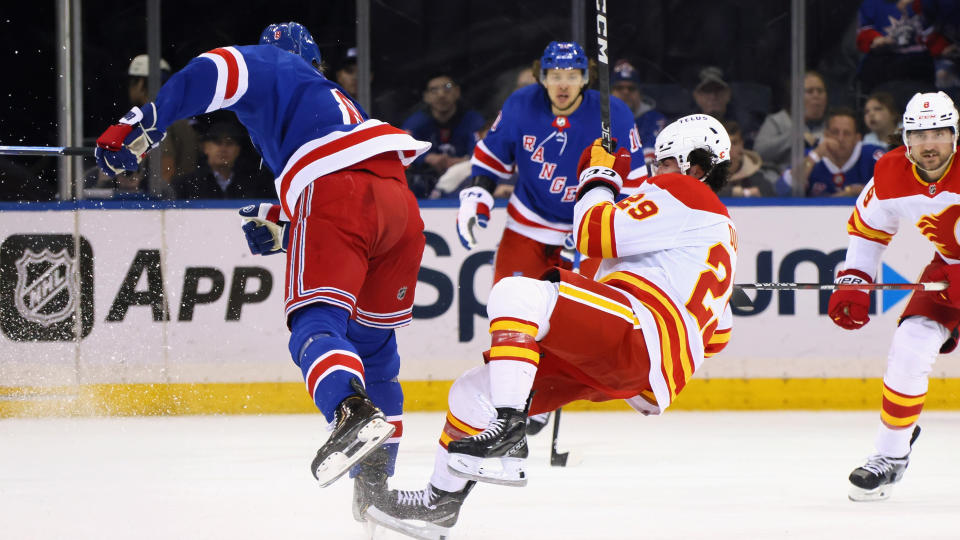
(475, 205)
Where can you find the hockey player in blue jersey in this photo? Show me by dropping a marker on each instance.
(343, 198)
(539, 132)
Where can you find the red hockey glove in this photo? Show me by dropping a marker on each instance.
(951, 274)
(850, 309)
(597, 167)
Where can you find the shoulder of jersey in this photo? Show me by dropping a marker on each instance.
(617, 106)
(691, 192)
(893, 176)
(523, 97)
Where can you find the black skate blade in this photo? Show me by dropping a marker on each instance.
(421, 530)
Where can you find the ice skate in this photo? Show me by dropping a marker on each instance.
(427, 514)
(537, 422)
(370, 484)
(495, 454)
(874, 481)
(360, 428)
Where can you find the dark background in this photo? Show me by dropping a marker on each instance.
(477, 42)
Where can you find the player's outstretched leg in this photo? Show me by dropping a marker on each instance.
(495, 454)
(427, 514)
(360, 429)
(874, 480)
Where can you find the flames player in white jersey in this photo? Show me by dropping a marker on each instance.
(918, 182)
(658, 307)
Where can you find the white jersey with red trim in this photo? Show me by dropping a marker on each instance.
(303, 125)
(544, 149)
(897, 192)
(672, 248)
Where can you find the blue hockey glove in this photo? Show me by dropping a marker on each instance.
(123, 145)
(266, 231)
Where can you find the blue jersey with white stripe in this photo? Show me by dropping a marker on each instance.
(303, 125)
(545, 149)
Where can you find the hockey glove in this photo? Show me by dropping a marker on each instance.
(951, 274)
(267, 233)
(123, 145)
(849, 308)
(597, 167)
(475, 205)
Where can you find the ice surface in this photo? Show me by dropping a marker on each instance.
(684, 475)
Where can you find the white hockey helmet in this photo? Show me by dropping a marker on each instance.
(929, 111)
(682, 136)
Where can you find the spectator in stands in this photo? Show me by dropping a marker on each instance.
(452, 129)
(713, 96)
(180, 147)
(881, 117)
(773, 139)
(346, 74)
(840, 165)
(748, 177)
(944, 17)
(897, 42)
(222, 177)
(525, 78)
(626, 86)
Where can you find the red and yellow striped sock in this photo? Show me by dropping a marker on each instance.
(514, 339)
(899, 410)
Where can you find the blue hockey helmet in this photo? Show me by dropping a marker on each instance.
(293, 37)
(564, 55)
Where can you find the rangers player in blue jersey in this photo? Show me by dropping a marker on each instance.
(540, 132)
(343, 197)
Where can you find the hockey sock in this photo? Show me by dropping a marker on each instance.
(898, 414)
(378, 349)
(454, 429)
(514, 356)
(326, 358)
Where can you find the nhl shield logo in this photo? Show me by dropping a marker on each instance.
(46, 287)
(402, 292)
(46, 291)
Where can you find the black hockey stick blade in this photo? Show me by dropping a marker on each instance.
(741, 301)
(557, 459)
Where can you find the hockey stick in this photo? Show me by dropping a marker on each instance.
(603, 74)
(557, 459)
(46, 151)
(924, 286)
(742, 302)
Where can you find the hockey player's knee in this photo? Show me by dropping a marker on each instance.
(915, 346)
(378, 349)
(316, 325)
(469, 398)
(523, 298)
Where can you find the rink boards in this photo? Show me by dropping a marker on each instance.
(175, 315)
